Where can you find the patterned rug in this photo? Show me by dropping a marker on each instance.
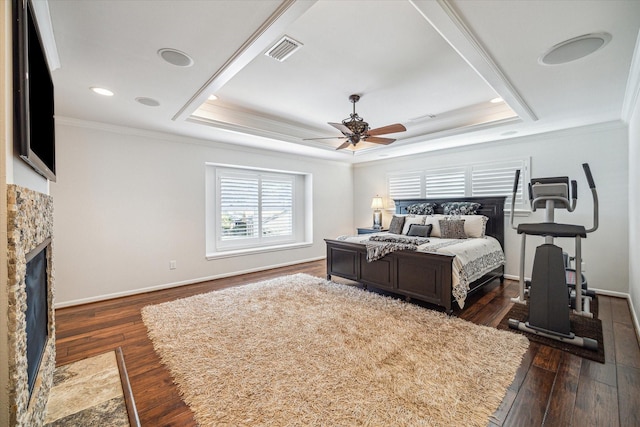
(300, 350)
(580, 325)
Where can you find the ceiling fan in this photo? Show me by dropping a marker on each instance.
(355, 129)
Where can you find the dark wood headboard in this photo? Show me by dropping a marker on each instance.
(491, 207)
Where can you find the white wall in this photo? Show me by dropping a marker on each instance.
(128, 201)
(634, 209)
(562, 153)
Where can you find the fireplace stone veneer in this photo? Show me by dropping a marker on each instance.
(29, 223)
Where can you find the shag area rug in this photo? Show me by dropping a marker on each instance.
(300, 350)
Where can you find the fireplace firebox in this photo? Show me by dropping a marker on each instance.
(37, 316)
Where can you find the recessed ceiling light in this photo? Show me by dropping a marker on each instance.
(212, 97)
(101, 91)
(149, 102)
(175, 57)
(496, 100)
(575, 48)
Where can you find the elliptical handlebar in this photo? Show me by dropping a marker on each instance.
(513, 198)
(594, 194)
(587, 172)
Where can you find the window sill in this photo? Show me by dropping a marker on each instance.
(252, 251)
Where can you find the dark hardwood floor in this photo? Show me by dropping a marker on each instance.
(551, 388)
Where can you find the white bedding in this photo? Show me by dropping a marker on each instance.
(474, 258)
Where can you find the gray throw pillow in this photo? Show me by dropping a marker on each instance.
(452, 229)
(397, 222)
(420, 230)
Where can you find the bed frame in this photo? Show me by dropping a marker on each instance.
(423, 276)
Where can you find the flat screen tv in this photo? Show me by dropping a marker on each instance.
(34, 126)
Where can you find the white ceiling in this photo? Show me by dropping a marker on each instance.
(408, 60)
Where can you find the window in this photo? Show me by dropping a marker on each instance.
(493, 179)
(445, 182)
(250, 209)
(405, 185)
(481, 179)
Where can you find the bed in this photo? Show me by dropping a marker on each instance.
(427, 276)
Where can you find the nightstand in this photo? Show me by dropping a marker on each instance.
(369, 230)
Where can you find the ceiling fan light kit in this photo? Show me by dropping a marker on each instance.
(354, 129)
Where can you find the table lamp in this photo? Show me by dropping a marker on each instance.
(376, 205)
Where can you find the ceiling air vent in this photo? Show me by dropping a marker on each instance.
(283, 49)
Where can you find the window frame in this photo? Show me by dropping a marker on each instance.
(301, 214)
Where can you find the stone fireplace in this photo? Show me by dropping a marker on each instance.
(30, 229)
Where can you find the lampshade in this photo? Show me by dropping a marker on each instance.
(376, 203)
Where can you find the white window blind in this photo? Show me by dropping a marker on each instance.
(404, 185)
(255, 208)
(239, 206)
(445, 182)
(277, 207)
(479, 179)
(496, 179)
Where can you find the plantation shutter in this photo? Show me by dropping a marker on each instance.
(445, 182)
(277, 207)
(404, 185)
(239, 206)
(496, 179)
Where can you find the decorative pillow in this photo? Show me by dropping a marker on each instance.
(397, 222)
(421, 208)
(412, 219)
(474, 225)
(452, 229)
(420, 230)
(460, 208)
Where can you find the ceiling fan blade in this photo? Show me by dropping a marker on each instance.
(378, 140)
(387, 129)
(344, 145)
(342, 128)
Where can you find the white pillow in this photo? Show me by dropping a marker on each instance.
(474, 225)
(412, 219)
(434, 220)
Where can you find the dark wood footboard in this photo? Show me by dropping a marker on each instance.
(426, 277)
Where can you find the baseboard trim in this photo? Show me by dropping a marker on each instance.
(178, 284)
(634, 317)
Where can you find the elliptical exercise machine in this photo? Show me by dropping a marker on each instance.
(550, 296)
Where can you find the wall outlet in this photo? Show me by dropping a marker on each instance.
(172, 265)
